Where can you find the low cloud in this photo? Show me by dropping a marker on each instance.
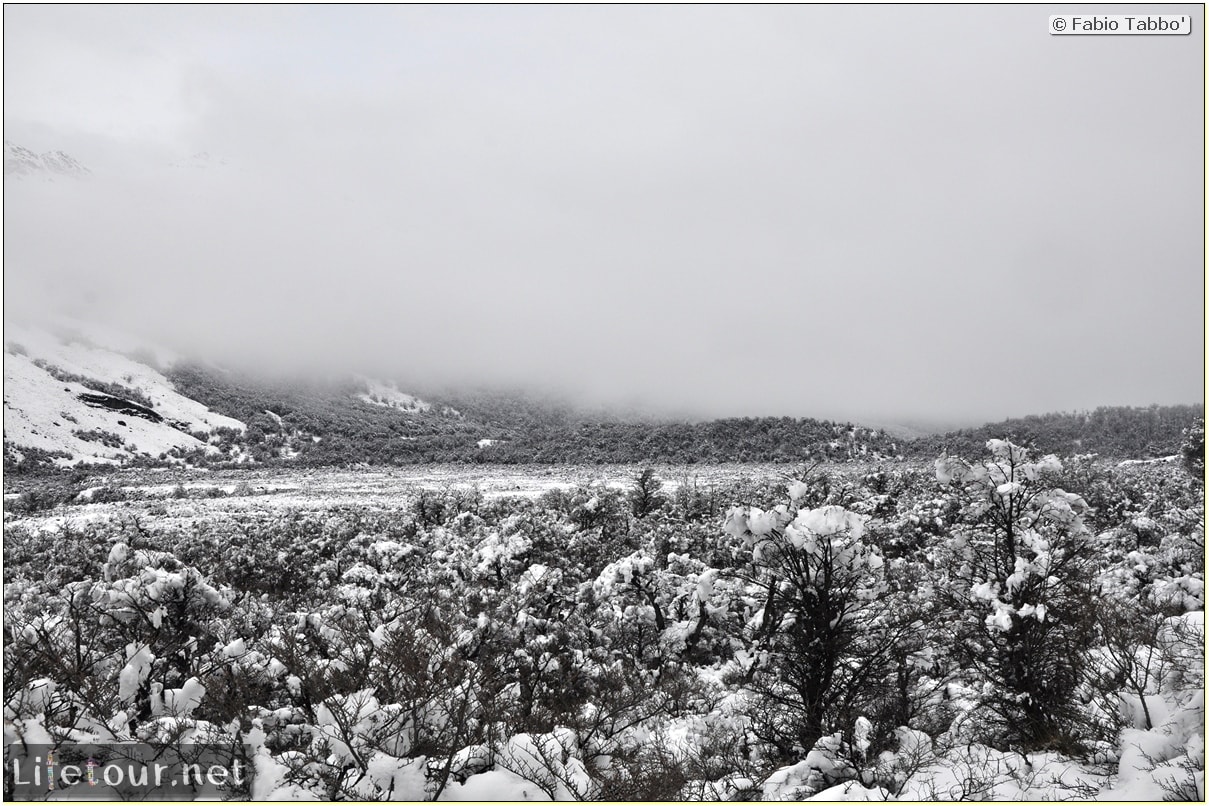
(730, 211)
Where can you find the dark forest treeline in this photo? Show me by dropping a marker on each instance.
(520, 430)
(313, 423)
(1120, 432)
(743, 439)
(524, 430)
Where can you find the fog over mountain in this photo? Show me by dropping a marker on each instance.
(873, 213)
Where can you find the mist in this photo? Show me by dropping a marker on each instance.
(843, 212)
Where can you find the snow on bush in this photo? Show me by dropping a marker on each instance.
(890, 640)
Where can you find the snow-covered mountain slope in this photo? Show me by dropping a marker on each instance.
(382, 394)
(201, 161)
(20, 162)
(387, 393)
(89, 399)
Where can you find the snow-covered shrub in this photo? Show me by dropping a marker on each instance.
(1018, 576)
(1162, 745)
(645, 494)
(820, 622)
(854, 642)
(1193, 450)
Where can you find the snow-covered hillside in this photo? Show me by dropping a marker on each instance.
(21, 162)
(201, 161)
(84, 395)
(382, 394)
(387, 393)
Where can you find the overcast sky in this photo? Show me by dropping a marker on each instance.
(851, 212)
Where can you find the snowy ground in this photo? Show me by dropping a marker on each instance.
(525, 564)
(375, 488)
(156, 492)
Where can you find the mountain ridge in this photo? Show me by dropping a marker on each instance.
(21, 162)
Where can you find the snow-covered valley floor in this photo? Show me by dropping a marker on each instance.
(531, 633)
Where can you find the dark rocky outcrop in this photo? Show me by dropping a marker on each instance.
(120, 405)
